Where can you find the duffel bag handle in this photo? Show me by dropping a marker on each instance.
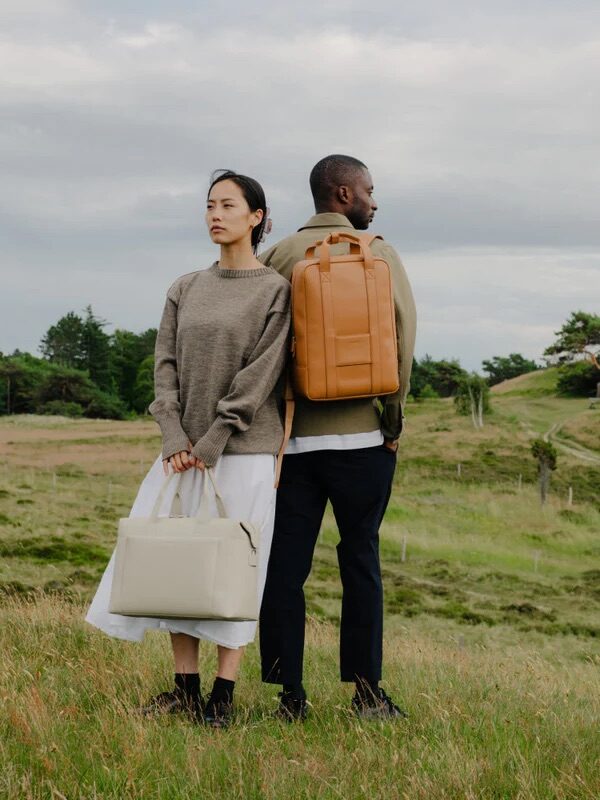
(219, 500)
(203, 508)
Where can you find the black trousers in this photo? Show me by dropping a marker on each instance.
(358, 483)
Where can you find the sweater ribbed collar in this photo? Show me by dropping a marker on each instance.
(225, 272)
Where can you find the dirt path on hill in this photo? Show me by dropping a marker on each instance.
(573, 449)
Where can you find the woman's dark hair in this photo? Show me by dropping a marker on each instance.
(253, 194)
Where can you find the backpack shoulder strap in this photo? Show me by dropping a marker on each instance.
(369, 238)
(290, 406)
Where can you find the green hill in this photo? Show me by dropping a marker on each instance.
(492, 626)
(539, 383)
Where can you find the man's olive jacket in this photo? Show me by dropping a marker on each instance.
(314, 418)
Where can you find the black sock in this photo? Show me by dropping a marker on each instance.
(366, 690)
(222, 691)
(188, 683)
(295, 690)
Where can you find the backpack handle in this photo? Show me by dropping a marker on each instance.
(353, 241)
(359, 243)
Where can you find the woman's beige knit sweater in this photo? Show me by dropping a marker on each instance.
(220, 353)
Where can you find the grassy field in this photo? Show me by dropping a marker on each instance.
(492, 626)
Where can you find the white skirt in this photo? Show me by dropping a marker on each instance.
(246, 485)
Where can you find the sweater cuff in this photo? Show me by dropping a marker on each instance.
(210, 446)
(175, 439)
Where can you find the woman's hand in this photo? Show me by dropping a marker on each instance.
(196, 461)
(181, 461)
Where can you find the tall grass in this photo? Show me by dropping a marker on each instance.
(491, 643)
(484, 723)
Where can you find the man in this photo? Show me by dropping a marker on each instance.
(343, 451)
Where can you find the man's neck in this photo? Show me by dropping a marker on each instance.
(331, 210)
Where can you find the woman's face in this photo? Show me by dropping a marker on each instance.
(228, 216)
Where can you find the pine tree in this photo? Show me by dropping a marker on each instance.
(96, 350)
(63, 342)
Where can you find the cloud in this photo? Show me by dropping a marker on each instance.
(153, 33)
(480, 129)
(485, 143)
(477, 302)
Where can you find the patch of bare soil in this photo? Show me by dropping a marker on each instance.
(97, 446)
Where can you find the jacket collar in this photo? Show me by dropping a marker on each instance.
(327, 220)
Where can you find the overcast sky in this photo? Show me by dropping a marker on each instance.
(479, 120)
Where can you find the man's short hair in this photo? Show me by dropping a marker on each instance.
(331, 172)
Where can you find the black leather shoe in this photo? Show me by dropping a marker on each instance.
(377, 706)
(174, 702)
(218, 713)
(293, 707)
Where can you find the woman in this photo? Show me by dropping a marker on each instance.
(220, 352)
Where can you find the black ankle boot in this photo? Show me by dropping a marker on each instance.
(293, 706)
(218, 712)
(185, 698)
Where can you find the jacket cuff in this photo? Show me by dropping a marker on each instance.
(392, 421)
(210, 446)
(175, 439)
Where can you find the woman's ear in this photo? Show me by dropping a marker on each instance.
(258, 217)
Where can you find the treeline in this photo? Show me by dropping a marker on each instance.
(443, 378)
(575, 351)
(83, 371)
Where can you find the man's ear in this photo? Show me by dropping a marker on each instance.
(344, 195)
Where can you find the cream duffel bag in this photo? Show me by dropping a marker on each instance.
(198, 567)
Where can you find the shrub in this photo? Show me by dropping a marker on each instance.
(20, 375)
(428, 392)
(546, 456)
(578, 379)
(61, 408)
(64, 385)
(106, 406)
(441, 376)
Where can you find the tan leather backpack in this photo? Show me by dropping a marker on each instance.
(343, 326)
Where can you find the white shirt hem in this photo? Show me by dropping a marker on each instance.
(333, 441)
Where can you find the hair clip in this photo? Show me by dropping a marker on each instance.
(267, 226)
